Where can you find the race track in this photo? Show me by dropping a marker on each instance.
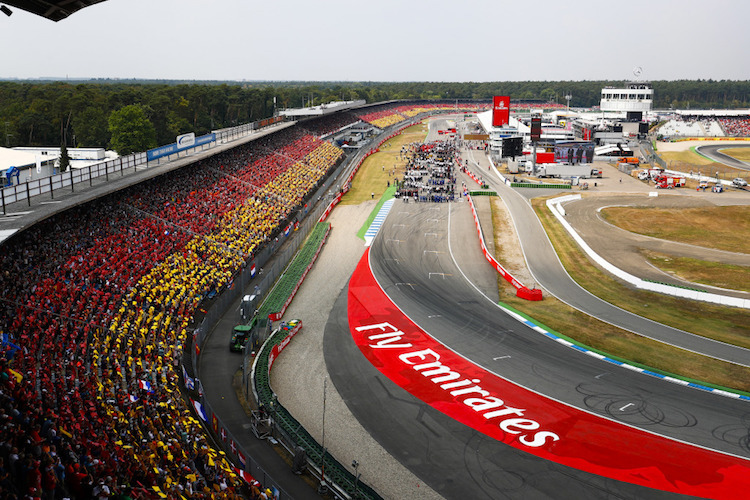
(426, 259)
(713, 151)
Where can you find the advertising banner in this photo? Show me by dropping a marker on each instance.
(500, 110)
(153, 154)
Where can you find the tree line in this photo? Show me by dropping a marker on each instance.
(97, 113)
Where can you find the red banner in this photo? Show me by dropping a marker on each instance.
(500, 110)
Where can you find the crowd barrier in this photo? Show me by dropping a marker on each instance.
(473, 177)
(325, 467)
(522, 291)
(115, 167)
(555, 206)
(69, 179)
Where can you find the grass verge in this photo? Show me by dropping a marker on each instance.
(378, 172)
(701, 271)
(388, 194)
(742, 154)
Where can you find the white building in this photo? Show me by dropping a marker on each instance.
(635, 99)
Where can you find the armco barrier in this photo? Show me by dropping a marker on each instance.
(558, 211)
(522, 291)
(343, 482)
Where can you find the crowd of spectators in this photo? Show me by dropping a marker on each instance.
(323, 126)
(736, 127)
(382, 118)
(415, 109)
(97, 304)
(430, 172)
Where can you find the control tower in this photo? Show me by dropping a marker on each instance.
(635, 99)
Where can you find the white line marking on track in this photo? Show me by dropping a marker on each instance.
(429, 275)
(410, 285)
(623, 408)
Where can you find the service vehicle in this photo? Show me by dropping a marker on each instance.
(668, 181)
(240, 336)
(633, 160)
(739, 182)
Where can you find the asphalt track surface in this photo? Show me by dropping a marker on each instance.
(714, 152)
(413, 260)
(548, 271)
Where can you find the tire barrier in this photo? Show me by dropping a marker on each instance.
(522, 291)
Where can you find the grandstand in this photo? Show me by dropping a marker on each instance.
(707, 124)
(95, 319)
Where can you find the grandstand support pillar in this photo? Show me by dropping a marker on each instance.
(51, 190)
(72, 187)
(2, 195)
(28, 194)
(91, 179)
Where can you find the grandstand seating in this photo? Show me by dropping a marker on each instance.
(736, 127)
(98, 304)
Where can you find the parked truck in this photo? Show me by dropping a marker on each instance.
(584, 170)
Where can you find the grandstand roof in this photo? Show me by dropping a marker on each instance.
(54, 10)
(712, 112)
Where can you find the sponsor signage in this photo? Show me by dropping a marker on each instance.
(500, 110)
(185, 140)
(170, 149)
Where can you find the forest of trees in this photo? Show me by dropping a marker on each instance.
(80, 114)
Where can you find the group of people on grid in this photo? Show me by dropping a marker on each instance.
(430, 172)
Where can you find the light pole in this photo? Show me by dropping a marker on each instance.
(355, 464)
(323, 487)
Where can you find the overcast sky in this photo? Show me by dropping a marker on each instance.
(384, 40)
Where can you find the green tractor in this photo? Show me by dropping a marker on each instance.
(240, 336)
